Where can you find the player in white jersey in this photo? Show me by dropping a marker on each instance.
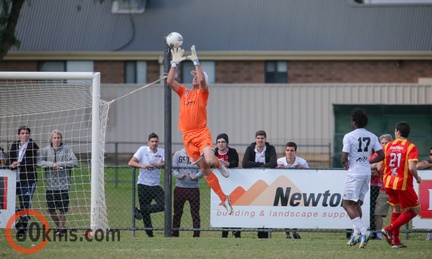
(357, 148)
(149, 159)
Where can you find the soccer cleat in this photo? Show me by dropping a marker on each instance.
(223, 170)
(400, 245)
(138, 214)
(296, 235)
(287, 235)
(364, 239)
(227, 205)
(388, 235)
(354, 240)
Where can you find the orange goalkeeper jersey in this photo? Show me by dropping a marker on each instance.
(193, 108)
(398, 153)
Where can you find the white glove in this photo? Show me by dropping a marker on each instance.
(193, 56)
(177, 56)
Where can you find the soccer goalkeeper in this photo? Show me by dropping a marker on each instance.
(193, 122)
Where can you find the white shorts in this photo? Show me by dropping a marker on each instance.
(356, 186)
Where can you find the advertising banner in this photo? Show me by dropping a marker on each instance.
(277, 198)
(7, 196)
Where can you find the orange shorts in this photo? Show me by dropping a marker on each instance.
(196, 141)
(406, 199)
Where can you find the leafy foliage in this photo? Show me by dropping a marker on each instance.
(10, 11)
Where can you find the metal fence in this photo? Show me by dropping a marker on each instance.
(122, 198)
(318, 155)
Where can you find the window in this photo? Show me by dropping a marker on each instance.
(52, 66)
(207, 66)
(66, 66)
(128, 6)
(79, 66)
(135, 72)
(276, 72)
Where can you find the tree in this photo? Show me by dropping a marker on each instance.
(10, 12)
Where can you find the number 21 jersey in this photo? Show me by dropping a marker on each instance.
(398, 153)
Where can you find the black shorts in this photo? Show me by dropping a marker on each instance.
(57, 200)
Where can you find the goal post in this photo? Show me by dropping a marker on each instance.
(69, 102)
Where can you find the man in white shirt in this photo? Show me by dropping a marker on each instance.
(356, 151)
(149, 159)
(290, 160)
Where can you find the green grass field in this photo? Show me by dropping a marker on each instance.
(312, 245)
(210, 245)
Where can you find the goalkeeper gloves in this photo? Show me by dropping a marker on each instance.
(177, 56)
(193, 56)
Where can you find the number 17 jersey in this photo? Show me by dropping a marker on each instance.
(359, 144)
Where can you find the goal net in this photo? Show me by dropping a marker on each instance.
(70, 103)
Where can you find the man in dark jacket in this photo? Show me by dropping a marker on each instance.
(23, 156)
(230, 158)
(260, 154)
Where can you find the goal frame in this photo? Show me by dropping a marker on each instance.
(95, 148)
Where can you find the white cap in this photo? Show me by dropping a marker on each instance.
(193, 73)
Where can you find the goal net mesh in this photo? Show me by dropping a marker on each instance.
(66, 105)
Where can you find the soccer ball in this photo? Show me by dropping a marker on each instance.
(174, 40)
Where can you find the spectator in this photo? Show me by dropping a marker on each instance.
(2, 158)
(149, 159)
(229, 157)
(357, 146)
(290, 160)
(260, 154)
(186, 189)
(381, 206)
(400, 169)
(193, 122)
(426, 164)
(23, 155)
(57, 159)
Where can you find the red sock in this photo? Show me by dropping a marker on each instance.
(396, 233)
(394, 217)
(403, 218)
(400, 220)
(218, 163)
(213, 181)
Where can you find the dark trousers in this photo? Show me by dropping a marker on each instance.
(374, 191)
(25, 191)
(181, 195)
(145, 196)
(236, 232)
(263, 234)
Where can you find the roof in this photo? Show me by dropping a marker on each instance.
(226, 26)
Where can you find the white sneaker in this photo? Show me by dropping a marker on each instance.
(227, 205)
(223, 170)
(364, 239)
(354, 240)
